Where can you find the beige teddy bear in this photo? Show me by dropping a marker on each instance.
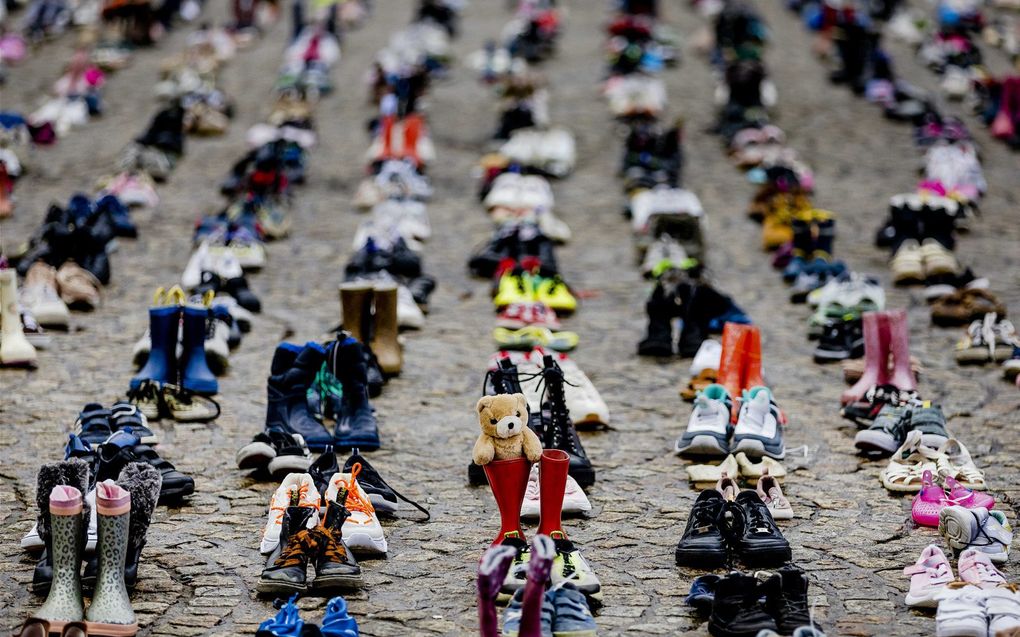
(505, 433)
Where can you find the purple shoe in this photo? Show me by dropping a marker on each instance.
(492, 571)
(543, 550)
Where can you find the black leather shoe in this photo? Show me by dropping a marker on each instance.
(753, 533)
(703, 544)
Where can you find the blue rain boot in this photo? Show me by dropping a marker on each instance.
(292, 373)
(120, 218)
(195, 373)
(287, 623)
(338, 622)
(356, 424)
(161, 366)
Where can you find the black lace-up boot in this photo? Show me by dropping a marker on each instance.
(559, 429)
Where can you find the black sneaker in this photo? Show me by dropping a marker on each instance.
(380, 493)
(93, 424)
(278, 452)
(123, 414)
(753, 533)
(864, 412)
(887, 431)
(703, 544)
(737, 610)
(123, 447)
(840, 340)
(786, 599)
(558, 428)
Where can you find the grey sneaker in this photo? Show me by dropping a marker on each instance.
(512, 616)
(931, 422)
(887, 431)
(573, 617)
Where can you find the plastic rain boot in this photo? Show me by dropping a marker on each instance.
(384, 342)
(64, 603)
(552, 482)
(356, 423)
(876, 358)
(752, 359)
(543, 550)
(492, 570)
(412, 131)
(508, 480)
(898, 330)
(161, 366)
(356, 307)
(731, 363)
(195, 373)
(386, 133)
(14, 347)
(110, 612)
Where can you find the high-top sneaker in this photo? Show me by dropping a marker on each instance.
(786, 599)
(292, 372)
(559, 430)
(356, 424)
(286, 567)
(335, 566)
(736, 609)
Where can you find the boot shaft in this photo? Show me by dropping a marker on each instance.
(110, 601)
(65, 545)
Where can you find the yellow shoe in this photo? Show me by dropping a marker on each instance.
(554, 293)
(514, 287)
(519, 339)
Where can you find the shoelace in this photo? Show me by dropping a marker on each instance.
(551, 382)
(354, 500)
(428, 516)
(301, 493)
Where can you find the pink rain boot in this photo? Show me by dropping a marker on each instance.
(876, 358)
(898, 330)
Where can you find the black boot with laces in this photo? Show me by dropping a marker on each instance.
(786, 599)
(737, 610)
(559, 429)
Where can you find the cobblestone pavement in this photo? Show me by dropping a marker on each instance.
(202, 560)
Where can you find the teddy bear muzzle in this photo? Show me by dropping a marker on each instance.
(509, 426)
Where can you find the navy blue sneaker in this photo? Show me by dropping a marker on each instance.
(702, 593)
(573, 617)
(93, 424)
(287, 622)
(338, 622)
(512, 616)
(124, 414)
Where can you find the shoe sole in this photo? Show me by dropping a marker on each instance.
(364, 444)
(574, 633)
(365, 544)
(921, 602)
(255, 456)
(328, 582)
(282, 465)
(702, 445)
(874, 441)
(720, 631)
(829, 356)
(756, 449)
(770, 557)
(266, 587)
(700, 558)
(176, 494)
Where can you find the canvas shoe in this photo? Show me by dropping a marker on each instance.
(931, 422)
(574, 499)
(297, 489)
(570, 567)
(980, 529)
(961, 612)
(772, 495)
(928, 576)
(362, 530)
(758, 431)
(976, 568)
(708, 428)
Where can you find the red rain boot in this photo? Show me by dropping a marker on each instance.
(752, 359)
(509, 481)
(731, 363)
(552, 483)
(876, 358)
(412, 131)
(898, 330)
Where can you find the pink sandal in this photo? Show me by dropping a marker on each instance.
(928, 502)
(956, 493)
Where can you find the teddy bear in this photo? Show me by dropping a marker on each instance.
(505, 432)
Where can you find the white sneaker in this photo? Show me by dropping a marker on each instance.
(199, 261)
(409, 315)
(757, 432)
(708, 357)
(979, 529)
(708, 428)
(217, 346)
(227, 266)
(961, 612)
(141, 349)
(1002, 606)
(574, 499)
(299, 485)
(32, 542)
(362, 530)
(241, 316)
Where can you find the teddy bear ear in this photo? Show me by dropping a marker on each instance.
(483, 402)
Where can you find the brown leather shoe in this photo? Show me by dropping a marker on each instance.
(79, 288)
(965, 305)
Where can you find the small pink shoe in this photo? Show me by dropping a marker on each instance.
(928, 576)
(961, 495)
(928, 502)
(976, 568)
